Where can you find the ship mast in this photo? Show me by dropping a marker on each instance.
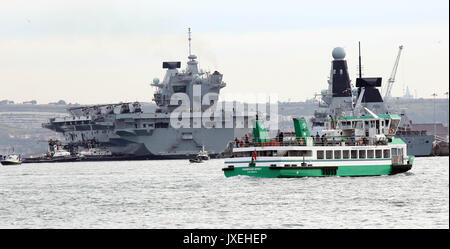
(359, 48)
(192, 63)
(189, 32)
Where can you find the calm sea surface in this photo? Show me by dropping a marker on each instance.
(177, 194)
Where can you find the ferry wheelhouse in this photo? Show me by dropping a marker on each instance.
(362, 145)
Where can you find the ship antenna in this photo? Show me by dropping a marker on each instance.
(359, 47)
(189, 32)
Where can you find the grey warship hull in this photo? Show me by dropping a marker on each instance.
(173, 143)
(147, 135)
(418, 145)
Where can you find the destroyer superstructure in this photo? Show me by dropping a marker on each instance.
(176, 129)
(341, 97)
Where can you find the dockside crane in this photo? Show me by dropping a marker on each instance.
(391, 79)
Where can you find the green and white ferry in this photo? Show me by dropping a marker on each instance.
(362, 145)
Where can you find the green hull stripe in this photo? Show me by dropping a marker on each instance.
(267, 172)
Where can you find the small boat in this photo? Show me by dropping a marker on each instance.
(200, 157)
(55, 153)
(203, 154)
(95, 152)
(196, 160)
(12, 159)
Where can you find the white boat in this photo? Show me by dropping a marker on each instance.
(12, 159)
(95, 152)
(203, 154)
(58, 153)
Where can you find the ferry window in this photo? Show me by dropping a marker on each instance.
(337, 154)
(265, 153)
(378, 154)
(354, 154)
(394, 124)
(394, 151)
(320, 154)
(369, 153)
(345, 154)
(362, 154)
(386, 153)
(329, 154)
(307, 153)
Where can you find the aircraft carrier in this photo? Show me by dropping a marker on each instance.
(178, 128)
(341, 97)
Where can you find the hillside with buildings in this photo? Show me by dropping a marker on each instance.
(21, 130)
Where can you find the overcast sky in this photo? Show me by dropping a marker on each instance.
(94, 52)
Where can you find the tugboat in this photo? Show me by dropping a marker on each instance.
(201, 156)
(12, 159)
(358, 145)
(195, 160)
(56, 153)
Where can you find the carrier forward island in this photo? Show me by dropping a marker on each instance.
(125, 131)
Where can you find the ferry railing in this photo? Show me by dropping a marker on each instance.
(300, 142)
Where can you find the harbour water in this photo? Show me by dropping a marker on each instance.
(177, 194)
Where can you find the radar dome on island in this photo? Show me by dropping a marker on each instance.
(338, 53)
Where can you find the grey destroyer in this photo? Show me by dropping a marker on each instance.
(341, 98)
(178, 128)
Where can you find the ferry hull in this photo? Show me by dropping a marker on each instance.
(311, 171)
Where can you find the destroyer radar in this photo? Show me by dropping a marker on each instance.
(155, 80)
(338, 53)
